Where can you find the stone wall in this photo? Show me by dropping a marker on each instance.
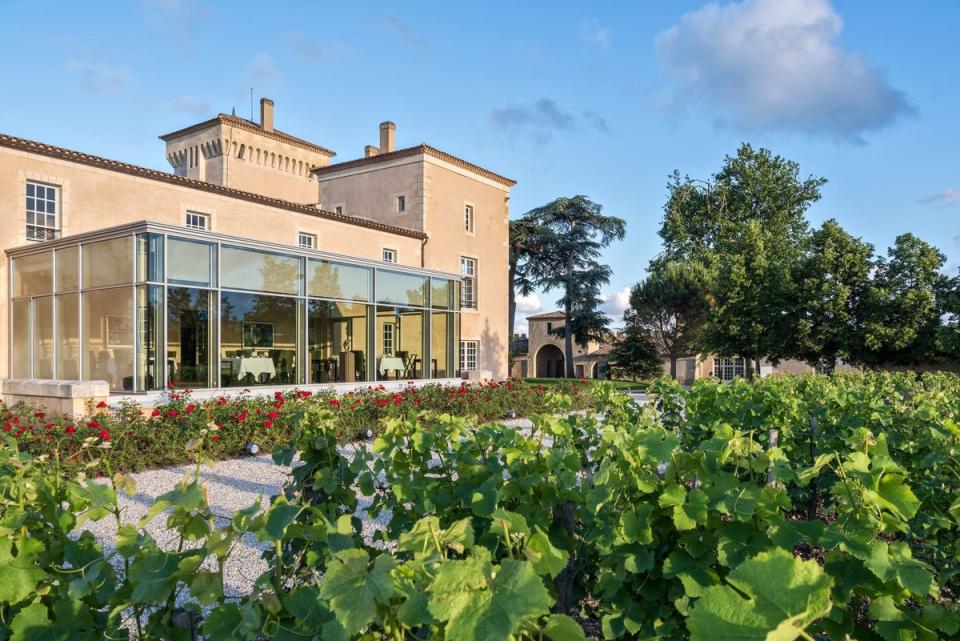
(59, 398)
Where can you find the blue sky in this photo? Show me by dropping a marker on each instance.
(602, 99)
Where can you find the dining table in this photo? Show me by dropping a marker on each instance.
(391, 364)
(254, 365)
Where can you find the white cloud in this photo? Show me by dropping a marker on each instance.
(542, 118)
(593, 32)
(100, 76)
(614, 304)
(191, 105)
(946, 198)
(526, 306)
(777, 64)
(263, 69)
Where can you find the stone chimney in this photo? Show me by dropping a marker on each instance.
(387, 133)
(370, 151)
(266, 114)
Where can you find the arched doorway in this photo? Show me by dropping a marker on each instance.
(601, 369)
(550, 362)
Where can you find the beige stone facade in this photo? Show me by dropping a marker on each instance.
(545, 357)
(252, 181)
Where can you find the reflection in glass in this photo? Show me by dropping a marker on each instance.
(406, 289)
(33, 274)
(107, 342)
(400, 343)
(108, 262)
(259, 339)
(68, 337)
(149, 257)
(337, 341)
(149, 337)
(191, 263)
(441, 345)
(337, 280)
(43, 337)
(259, 271)
(68, 269)
(20, 349)
(441, 294)
(189, 339)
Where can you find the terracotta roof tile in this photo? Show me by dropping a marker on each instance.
(546, 316)
(249, 125)
(413, 151)
(52, 151)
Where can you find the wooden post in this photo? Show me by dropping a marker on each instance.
(774, 439)
(813, 508)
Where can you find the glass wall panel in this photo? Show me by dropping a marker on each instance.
(441, 294)
(149, 337)
(33, 274)
(399, 343)
(442, 346)
(259, 339)
(259, 271)
(191, 263)
(43, 337)
(190, 336)
(20, 349)
(68, 337)
(68, 269)
(405, 289)
(109, 262)
(108, 333)
(149, 257)
(337, 341)
(337, 280)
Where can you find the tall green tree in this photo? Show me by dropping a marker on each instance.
(833, 282)
(903, 308)
(572, 233)
(746, 224)
(526, 262)
(671, 307)
(634, 353)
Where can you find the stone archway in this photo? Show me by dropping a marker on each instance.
(601, 369)
(549, 362)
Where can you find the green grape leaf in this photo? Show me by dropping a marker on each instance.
(560, 627)
(422, 538)
(474, 607)
(31, 623)
(546, 558)
(636, 525)
(354, 589)
(20, 573)
(772, 597)
(897, 497)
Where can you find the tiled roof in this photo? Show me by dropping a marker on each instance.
(249, 125)
(546, 316)
(44, 149)
(413, 151)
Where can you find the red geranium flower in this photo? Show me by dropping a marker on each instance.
(268, 423)
(155, 413)
(272, 415)
(102, 404)
(39, 415)
(172, 413)
(105, 435)
(189, 409)
(93, 425)
(69, 429)
(216, 437)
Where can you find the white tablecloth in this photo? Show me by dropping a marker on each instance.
(390, 364)
(255, 365)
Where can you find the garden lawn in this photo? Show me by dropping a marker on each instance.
(635, 386)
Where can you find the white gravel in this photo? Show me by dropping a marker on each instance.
(231, 485)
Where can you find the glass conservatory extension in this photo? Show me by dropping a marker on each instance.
(146, 304)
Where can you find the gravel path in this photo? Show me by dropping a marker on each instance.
(231, 485)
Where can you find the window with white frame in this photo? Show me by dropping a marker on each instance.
(468, 218)
(196, 220)
(468, 269)
(43, 204)
(307, 241)
(388, 339)
(401, 204)
(469, 351)
(726, 369)
(389, 255)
